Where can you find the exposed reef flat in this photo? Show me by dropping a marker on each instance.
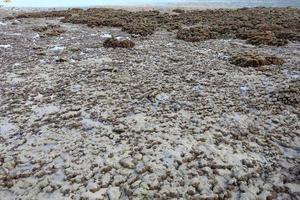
(186, 105)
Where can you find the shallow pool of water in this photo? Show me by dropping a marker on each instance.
(200, 3)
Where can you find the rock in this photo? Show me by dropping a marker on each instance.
(114, 193)
(49, 30)
(57, 49)
(142, 29)
(106, 35)
(141, 168)
(195, 34)
(254, 60)
(115, 43)
(290, 95)
(93, 187)
(266, 38)
(105, 179)
(16, 22)
(178, 10)
(118, 180)
(61, 60)
(127, 163)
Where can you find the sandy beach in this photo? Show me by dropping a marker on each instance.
(114, 104)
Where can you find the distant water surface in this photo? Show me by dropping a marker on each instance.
(200, 3)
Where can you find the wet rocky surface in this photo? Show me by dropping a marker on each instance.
(166, 119)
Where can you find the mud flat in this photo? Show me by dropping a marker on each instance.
(185, 105)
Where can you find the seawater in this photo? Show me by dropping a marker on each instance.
(175, 3)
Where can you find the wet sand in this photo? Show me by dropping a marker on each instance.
(214, 118)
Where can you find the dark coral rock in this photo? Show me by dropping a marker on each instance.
(266, 38)
(50, 30)
(195, 34)
(291, 95)
(115, 43)
(255, 60)
(139, 29)
(178, 10)
(259, 26)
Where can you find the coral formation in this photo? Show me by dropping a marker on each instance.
(254, 60)
(267, 26)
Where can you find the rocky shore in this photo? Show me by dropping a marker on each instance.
(115, 104)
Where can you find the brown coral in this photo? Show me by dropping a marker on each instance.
(259, 26)
(255, 60)
(49, 30)
(195, 34)
(115, 43)
(139, 29)
(266, 38)
(291, 95)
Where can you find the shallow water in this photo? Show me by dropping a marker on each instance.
(201, 3)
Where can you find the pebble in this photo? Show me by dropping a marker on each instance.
(127, 163)
(114, 193)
